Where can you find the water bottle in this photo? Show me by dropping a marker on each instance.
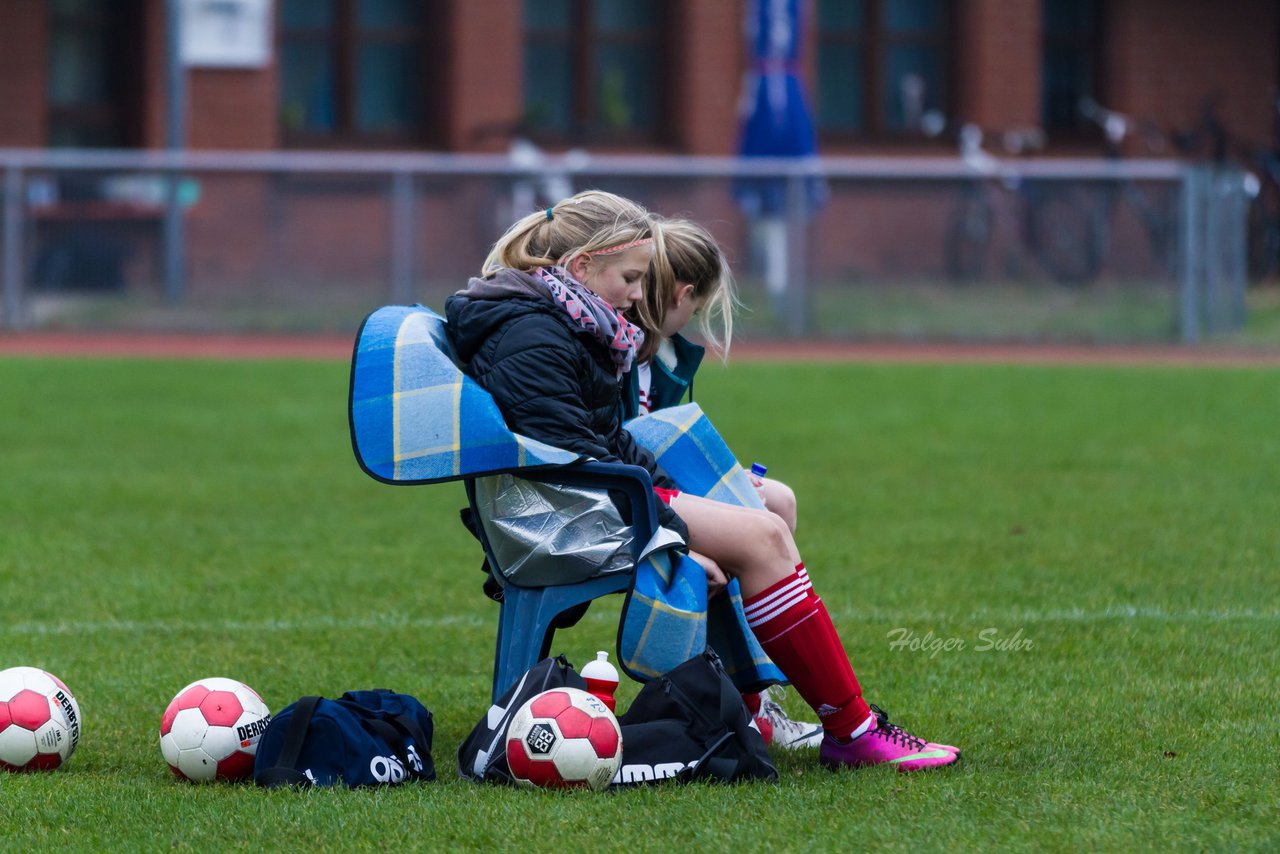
(602, 679)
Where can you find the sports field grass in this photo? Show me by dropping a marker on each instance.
(1115, 528)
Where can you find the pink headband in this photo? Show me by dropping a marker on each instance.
(622, 247)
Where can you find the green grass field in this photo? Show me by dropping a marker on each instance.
(1117, 527)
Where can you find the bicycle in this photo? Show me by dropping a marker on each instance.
(994, 208)
(1264, 210)
(1072, 226)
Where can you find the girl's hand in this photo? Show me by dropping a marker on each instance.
(758, 483)
(716, 579)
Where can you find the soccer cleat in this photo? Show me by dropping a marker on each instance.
(786, 733)
(930, 745)
(887, 744)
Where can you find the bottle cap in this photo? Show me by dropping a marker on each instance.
(759, 469)
(600, 669)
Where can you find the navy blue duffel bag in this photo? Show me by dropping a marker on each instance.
(364, 738)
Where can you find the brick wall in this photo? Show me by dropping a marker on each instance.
(1161, 59)
(997, 66)
(22, 73)
(1165, 57)
(233, 108)
(706, 76)
(485, 64)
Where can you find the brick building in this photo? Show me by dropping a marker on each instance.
(657, 75)
(649, 76)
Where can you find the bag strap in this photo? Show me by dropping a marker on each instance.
(719, 768)
(285, 772)
(730, 710)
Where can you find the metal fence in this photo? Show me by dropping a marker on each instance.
(904, 248)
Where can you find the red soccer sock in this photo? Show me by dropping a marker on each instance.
(752, 702)
(795, 631)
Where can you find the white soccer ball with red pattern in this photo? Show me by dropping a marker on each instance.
(210, 730)
(564, 738)
(39, 720)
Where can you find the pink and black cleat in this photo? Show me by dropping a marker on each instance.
(887, 744)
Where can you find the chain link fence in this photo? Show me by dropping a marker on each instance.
(836, 248)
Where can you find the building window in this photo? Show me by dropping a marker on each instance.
(1070, 62)
(355, 71)
(882, 65)
(593, 69)
(94, 81)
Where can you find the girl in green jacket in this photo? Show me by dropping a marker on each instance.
(700, 285)
(688, 277)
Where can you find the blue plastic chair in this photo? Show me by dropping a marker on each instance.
(415, 418)
(526, 621)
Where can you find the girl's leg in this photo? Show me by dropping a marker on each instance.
(781, 501)
(795, 630)
(785, 614)
(751, 545)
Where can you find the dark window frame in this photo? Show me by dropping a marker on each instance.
(1092, 42)
(875, 40)
(120, 111)
(345, 38)
(584, 40)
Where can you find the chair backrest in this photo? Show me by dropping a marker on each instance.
(415, 417)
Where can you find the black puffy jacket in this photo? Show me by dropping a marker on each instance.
(554, 381)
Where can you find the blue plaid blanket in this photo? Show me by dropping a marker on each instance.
(416, 418)
(695, 455)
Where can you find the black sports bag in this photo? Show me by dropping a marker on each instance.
(689, 724)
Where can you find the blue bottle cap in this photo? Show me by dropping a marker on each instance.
(759, 469)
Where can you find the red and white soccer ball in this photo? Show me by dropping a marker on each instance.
(39, 720)
(210, 730)
(564, 738)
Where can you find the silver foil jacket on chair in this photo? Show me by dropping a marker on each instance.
(543, 533)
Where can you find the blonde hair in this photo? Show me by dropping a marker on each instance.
(686, 253)
(590, 221)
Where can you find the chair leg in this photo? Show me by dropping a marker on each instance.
(525, 623)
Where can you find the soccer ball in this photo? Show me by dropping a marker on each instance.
(210, 730)
(564, 738)
(39, 720)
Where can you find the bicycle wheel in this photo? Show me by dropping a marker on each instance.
(1067, 231)
(969, 235)
(1157, 207)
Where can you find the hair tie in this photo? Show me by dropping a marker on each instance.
(549, 215)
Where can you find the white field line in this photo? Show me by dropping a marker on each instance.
(321, 622)
(394, 621)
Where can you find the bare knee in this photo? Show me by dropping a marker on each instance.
(752, 545)
(782, 502)
(771, 551)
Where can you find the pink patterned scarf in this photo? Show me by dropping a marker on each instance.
(588, 310)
